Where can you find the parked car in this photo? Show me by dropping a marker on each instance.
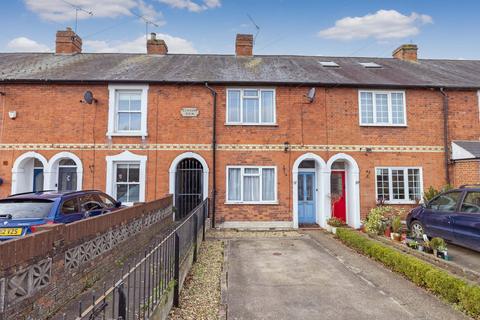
(453, 215)
(21, 214)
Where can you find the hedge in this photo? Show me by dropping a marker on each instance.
(449, 287)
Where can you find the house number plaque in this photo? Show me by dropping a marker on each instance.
(189, 112)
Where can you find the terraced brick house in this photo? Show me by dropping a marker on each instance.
(275, 141)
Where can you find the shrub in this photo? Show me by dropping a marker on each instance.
(432, 192)
(376, 223)
(438, 281)
(437, 244)
(335, 222)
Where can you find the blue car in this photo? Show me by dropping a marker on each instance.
(453, 215)
(21, 214)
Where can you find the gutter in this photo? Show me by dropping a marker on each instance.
(445, 133)
(214, 150)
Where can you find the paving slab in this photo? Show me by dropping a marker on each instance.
(316, 277)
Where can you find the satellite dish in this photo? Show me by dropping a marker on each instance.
(88, 97)
(311, 94)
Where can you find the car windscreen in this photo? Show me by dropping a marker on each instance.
(25, 208)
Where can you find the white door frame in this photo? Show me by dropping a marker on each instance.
(320, 167)
(173, 170)
(352, 188)
(21, 179)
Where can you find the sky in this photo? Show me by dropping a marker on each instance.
(441, 29)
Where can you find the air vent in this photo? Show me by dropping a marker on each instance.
(329, 64)
(370, 65)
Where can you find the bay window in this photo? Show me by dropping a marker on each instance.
(382, 108)
(251, 106)
(251, 184)
(399, 184)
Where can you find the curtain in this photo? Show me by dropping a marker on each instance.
(250, 110)
(234, 175)
(234, 106)
(251, 186)
(268, 184)
(267, 107)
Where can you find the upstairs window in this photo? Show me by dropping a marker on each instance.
(127, 110)
(382, 108)
(251, 106)
(399, 185)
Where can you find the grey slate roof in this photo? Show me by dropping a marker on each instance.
(471, 146)
(180, 68)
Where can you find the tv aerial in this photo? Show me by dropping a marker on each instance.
(77, 8)
(147, 22)
(256, 27)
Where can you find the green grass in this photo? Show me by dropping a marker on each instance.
(440, 282)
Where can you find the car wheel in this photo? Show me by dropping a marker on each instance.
(417, 229)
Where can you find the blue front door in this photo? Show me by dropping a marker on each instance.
(306, 197)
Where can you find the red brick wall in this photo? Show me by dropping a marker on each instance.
(52, 113)
(466, 172)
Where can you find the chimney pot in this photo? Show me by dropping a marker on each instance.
(406, 52)
(156, 46)
(67, 42)
(244, 45)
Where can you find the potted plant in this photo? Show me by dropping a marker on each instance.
(438, 245)
(396, 228)
(376, 223)
(334, 223)
(427, 247)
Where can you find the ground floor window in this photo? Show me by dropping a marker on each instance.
(251, 184)
(127, 182)
(399, 184)
(126, 173)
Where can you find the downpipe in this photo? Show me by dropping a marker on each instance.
(445, 134)
(214, 150)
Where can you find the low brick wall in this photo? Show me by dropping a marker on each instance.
(44, 271)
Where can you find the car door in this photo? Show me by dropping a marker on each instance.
(466, 222)
(437, 216)
(91, 205)
(70, 211)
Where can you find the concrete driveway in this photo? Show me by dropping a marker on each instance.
(315, 277)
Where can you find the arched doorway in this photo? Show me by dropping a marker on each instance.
(188, 182)
(308, 190)
(65, 172)
(344, 189)
(28, 173)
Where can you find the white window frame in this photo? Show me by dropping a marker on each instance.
(260, 90)
(389, 103)
(242, 174)
(390, 185)
(125, 157)
(113, 89)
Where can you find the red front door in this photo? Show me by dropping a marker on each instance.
(337, 186)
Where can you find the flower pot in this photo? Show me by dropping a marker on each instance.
(435, 253)
(334, 230)
(392, 235)
(329, 228)
(387, 233)
(420, 248)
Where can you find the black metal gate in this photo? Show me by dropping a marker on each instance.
(188, 186)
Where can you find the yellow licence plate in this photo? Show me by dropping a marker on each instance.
(10, 231)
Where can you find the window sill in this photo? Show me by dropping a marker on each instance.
(252, 124)
(251, 203)
(385, 125)
(127, 134)
(400, 202)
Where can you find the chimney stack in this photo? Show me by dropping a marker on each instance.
(244, 45)
(406, 52)
(68, 42)
(156, 46)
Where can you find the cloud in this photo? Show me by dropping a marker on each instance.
(192, 5)
(175, 45)
(382, 25)
(60, 11)
(23, 44)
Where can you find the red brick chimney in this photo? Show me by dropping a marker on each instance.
(406, 52)
(244, 45)
(156, 46)
(68, 42)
